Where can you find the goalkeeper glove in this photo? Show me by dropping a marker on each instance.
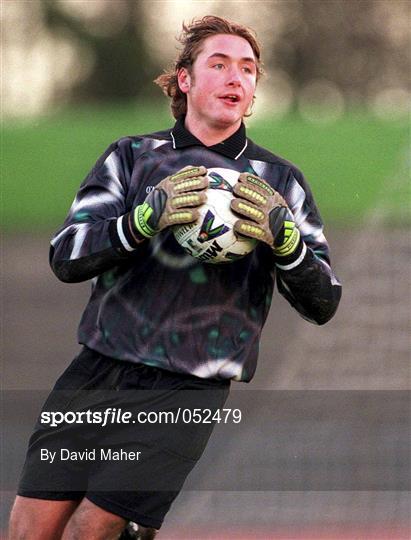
(172, 202)
(268, 217)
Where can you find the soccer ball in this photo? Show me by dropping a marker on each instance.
(211, 238)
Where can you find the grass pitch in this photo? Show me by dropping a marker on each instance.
(348, 163)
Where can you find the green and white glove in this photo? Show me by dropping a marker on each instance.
(172, 202)
(268, 217)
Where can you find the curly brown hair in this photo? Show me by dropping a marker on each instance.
(191, 38)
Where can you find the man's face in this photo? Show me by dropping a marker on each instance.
(222, 83)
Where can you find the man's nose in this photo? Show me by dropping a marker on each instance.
(234, 78)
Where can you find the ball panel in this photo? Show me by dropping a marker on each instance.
(211, 238)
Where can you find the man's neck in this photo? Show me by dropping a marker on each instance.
(209, 135)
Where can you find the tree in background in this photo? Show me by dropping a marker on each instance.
(359, 46)
(121, 64)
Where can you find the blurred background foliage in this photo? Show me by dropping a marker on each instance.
(78, 74)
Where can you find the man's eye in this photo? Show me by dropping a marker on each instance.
(218, 66)
(246, 69)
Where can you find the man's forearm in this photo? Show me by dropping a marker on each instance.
(85, 250)
(311, 288)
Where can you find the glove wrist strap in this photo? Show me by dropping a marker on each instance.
(290, 258)
(141, 216)
(132, 234)
(291, 239)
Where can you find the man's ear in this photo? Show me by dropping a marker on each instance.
(184, 80)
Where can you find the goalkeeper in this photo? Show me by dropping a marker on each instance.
(158, 319)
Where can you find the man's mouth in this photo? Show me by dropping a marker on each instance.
(230, 98)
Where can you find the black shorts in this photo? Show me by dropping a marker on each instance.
(135, 465)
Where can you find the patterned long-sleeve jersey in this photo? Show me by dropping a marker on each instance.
(153, 303)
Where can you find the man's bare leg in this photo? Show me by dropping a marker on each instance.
(39, 519)
(94, 523)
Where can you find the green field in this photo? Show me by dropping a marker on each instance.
(347, 163)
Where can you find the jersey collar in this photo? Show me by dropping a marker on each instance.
(233, 147)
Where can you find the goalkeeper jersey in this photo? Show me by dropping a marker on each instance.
(155, 304)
